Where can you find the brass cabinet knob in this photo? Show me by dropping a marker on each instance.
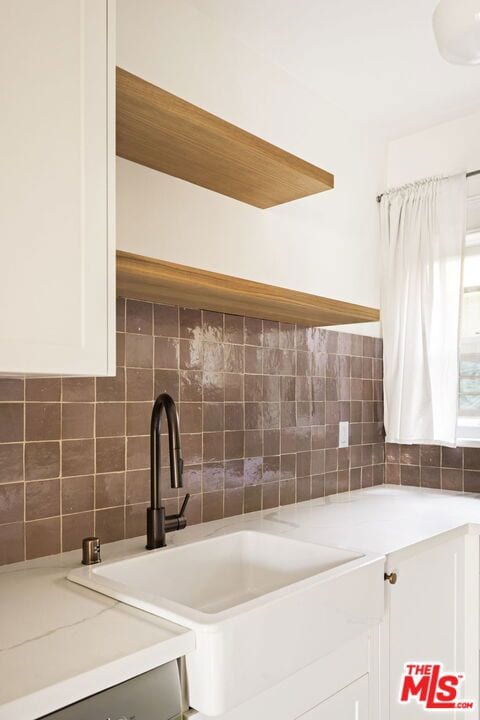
(391, 577)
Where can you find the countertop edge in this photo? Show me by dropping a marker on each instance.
(55, 697)
(394, 556)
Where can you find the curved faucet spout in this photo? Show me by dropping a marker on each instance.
(164, 402)
(158, 524)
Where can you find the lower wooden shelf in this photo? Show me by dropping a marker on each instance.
(144, 278)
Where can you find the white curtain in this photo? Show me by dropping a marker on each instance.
(423, 235)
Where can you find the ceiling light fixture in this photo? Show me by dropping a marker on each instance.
(456, 24)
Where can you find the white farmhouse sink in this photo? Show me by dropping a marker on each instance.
(262, 606)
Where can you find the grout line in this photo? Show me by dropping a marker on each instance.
(24, 474)
(95, 456)
(61, 468)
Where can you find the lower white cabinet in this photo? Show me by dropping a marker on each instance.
(431, 616)
(351, 703)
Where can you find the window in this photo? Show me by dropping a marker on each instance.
(469, 387)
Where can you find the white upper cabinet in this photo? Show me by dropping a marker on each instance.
(57, 165)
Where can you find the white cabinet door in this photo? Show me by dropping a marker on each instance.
(351, 703)
(57, 155)
(432, 617)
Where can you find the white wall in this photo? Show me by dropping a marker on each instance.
(441, 150)
(326, 244)
(444, 149)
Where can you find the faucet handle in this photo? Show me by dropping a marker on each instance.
(177, 522)
(184, 505)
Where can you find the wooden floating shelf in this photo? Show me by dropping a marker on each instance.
(163, 132)
(144, 278)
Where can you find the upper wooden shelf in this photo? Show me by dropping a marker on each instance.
(163, 132)
(144, 278)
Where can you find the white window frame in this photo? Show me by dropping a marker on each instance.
(468, 427)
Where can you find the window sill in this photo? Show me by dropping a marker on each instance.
(468, 442)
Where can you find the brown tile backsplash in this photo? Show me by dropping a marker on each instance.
(42, 421)
(12, 389)
(11, 463)
(11, 421)
(259, 405)
(433, 466)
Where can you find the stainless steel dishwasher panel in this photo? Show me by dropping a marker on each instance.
(154, 695)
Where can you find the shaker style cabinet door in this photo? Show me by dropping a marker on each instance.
(57, 155)
(432, 616)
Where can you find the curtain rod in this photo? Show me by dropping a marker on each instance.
(469, 174)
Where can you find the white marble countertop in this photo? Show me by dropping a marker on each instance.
(384, 520)
(387, 519)
(60, 642)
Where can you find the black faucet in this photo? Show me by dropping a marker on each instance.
(158, 524)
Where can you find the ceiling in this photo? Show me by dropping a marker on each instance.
(377, 59)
